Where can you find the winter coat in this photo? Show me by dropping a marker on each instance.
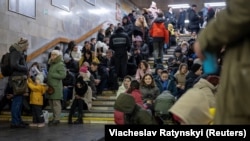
(158, 30)
(134, 114)
(149, 93)
(36, 92)
(233, 93)
(57, 72)
(163, 103)
(193, 106)
(17, 61)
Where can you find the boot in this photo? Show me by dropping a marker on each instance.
(79, 120)
(70, 118)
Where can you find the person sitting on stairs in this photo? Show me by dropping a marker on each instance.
(82, 100)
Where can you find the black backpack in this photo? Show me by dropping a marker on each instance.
(5, 65)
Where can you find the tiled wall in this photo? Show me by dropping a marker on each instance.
(52, 22)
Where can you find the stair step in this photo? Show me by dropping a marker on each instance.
(103, 103)
(102, 108)
(101, 120)
(108, 93)
(152, 59)
(106, 97)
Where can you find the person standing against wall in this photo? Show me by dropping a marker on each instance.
(233, 93)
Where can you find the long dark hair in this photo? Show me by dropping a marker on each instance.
(84, 86)
(134, 85)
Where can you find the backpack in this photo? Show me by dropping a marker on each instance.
(5, 65)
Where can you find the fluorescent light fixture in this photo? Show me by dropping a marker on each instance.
(177, 6)
(186, 21)
(98, 11)
(215, 4)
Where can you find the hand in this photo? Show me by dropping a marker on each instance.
(182, 87)
(77, 97)
(198, 51)
(97, 81)
(9, 96)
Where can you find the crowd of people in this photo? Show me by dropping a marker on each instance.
(180, 93)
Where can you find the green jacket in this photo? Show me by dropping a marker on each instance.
(230, 28)
(134, 114)
(57, 72)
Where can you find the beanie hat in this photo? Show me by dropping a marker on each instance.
(66, 57)
(195, 67)
(23, 44)
(56, 52)
(40, 77)
(138, 38)
(84, 69)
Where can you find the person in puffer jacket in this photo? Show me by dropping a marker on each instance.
(194, 106)
(160, 35)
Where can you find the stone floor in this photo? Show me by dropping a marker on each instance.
(61, 132)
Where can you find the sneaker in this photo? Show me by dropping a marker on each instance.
(41, 125)
(33, 125)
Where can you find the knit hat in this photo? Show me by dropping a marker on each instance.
(56, 52)
(23, 43)
(84, 69)
(138, 38)
(66, 57)
(40, 77)
(195, 67)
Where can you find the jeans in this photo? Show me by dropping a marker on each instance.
(16, 110)
(67, 93)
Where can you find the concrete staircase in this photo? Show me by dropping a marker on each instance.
(101, 111)
(103, 107)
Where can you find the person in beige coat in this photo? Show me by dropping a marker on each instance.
(193, 107)
(82, 100)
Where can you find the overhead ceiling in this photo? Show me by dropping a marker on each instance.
(163, 4)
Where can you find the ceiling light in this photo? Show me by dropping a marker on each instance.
(177, 6)
(215, 4)
(99, 11)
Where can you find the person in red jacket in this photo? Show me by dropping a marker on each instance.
(136, 94)
(160, 35)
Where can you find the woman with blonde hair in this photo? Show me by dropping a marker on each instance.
(141, 28)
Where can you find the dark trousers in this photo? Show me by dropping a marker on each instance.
(120, 64)
(37, 114)
(16, 110)
(80, 105)
(5, 101)
(112, 82)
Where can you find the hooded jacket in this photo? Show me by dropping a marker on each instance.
(134, 114)
(193, 106)
(158, 30)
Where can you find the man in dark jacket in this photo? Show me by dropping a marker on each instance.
(120, 43)
(194, 20)
(19, 67)
(181, 20)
